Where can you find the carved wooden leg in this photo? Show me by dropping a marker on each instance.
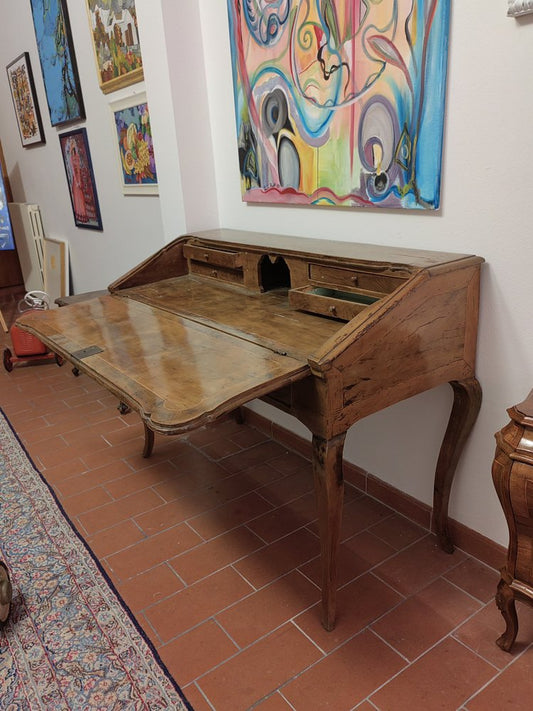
(506, 605)
(329, 487)
(466, 404)
(148, 441)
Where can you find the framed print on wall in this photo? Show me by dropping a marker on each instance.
(340, 103)
(116, 44)
(133, 131)
(58, 61)
(22, 87)
(80, 179)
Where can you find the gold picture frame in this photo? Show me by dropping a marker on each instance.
(116, 43)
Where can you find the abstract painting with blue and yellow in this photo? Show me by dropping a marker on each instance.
(340, 102)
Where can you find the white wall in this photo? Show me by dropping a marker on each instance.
(486, 210)
(486, 206)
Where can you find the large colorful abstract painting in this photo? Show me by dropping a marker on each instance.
(340, 102)
(58, 61)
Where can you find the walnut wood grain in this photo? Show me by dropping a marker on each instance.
(465, 409)
(208, 324)
(512, 474)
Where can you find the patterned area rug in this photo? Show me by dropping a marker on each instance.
(69, 642)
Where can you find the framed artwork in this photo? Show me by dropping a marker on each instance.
(58, 61)
(80, 179)
(115, 39)
(519, 7)
(131, 119)
(340, 103)
(22, 87)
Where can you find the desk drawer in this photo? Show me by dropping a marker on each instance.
(233, 276)
(343, 305)
(375, 283)
(216, 257)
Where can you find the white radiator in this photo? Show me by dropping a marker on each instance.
(29, 234)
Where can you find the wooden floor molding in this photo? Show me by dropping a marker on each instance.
(468, 540)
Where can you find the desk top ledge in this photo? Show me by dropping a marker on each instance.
(418, 258)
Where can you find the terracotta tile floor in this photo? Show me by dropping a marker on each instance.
(212, 543)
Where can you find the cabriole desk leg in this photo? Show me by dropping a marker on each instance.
(329, 488)
(466, 404)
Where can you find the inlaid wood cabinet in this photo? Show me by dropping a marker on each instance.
(512, 473)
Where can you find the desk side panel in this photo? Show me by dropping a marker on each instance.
(420, 337)
(166, 263)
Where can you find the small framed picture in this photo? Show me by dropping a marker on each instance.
(135, 148)
(22, 87)
(116, 43)
(80, 178)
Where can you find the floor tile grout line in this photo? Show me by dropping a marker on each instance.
(234, 604)
(257, 641)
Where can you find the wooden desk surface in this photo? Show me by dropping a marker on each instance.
(265, 319)
(179, 372)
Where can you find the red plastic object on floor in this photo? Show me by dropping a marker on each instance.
(24, 343)
(27, 348)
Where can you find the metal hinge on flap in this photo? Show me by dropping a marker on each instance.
(86, 352)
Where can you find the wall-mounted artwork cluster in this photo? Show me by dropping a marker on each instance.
(114, 35)
(340, 102)
(117, 50)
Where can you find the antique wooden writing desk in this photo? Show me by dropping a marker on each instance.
(328, 331)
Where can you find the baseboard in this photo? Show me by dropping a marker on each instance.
(468, 540)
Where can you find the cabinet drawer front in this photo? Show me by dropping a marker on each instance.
(216, 257)
(378, 283)
(234, 276)
(328, 302)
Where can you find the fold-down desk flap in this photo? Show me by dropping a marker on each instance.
(177, 373)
